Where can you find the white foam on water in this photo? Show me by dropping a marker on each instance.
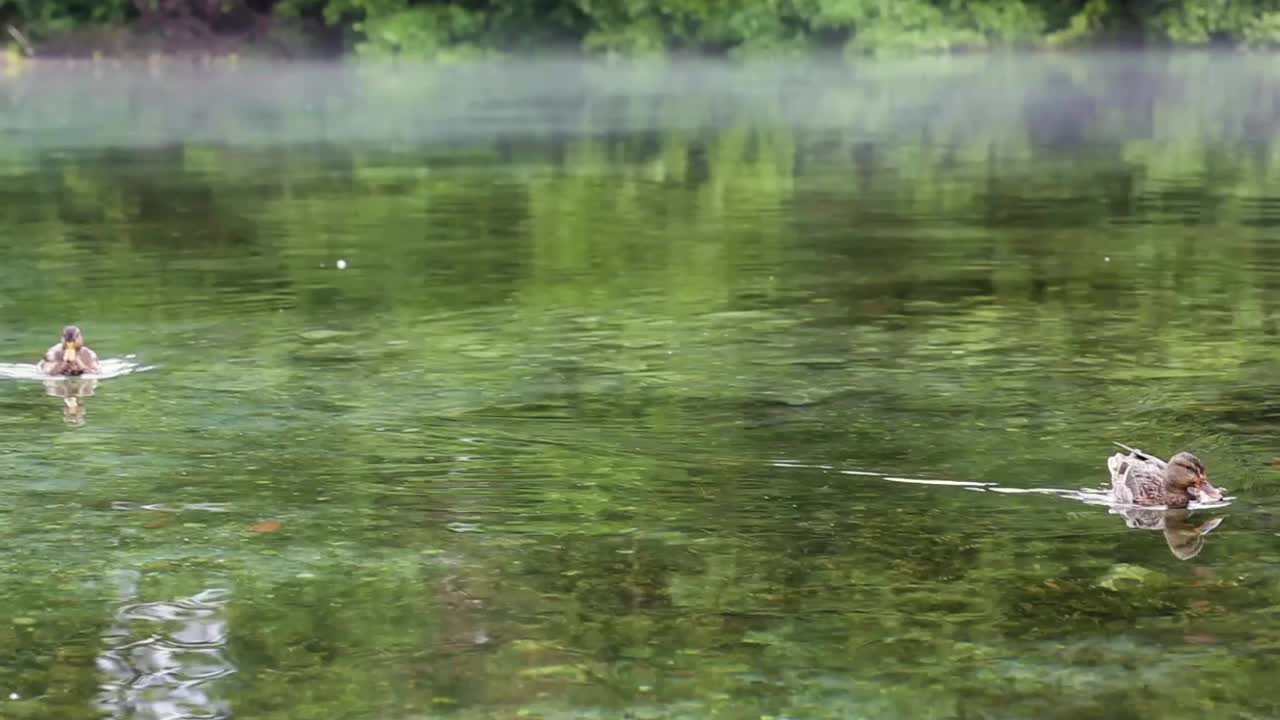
(107, 369)
(1037, 491)
(954, 483)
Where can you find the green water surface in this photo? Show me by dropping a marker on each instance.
(570, 434)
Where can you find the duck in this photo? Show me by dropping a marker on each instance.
(69, 356)
(1138, 478)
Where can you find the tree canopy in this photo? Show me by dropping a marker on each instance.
(441, 29)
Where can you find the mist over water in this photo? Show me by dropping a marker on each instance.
(1041, 99)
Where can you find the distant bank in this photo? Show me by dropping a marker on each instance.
(453, 29)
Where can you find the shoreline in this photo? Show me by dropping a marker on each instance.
(248, 53)
(288, 40)
(269, 39)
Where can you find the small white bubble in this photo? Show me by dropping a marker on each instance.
(1106, 259)
(14, 696)
(342, 264)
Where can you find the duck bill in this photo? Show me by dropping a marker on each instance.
(1205, 491)
(70, 352)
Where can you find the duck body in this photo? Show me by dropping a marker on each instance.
(1138, 478)
(69, 356)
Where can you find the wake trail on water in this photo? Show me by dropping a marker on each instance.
(107, 369)
(1091, 496)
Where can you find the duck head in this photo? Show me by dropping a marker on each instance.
(72, 341)
(1185, 475)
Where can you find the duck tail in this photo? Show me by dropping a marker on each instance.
(1118, 465)
(1139, 454)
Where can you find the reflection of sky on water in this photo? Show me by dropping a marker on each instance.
(161, 656)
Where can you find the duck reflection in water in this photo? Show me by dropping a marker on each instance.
(1185, 538)
(73, 391)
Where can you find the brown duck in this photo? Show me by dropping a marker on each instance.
(1141, 479)
(69, 356)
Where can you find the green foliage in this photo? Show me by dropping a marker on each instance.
(1088, 22)
(1005, 22)
(1262, 31)
(647, 26)
(426, 32)
(460, 28)
(41, 18)
(880, 27)
(1202, 22)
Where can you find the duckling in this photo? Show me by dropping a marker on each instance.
(69, 356)
(1141, 479)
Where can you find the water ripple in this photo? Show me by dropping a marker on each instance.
(161, 655)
